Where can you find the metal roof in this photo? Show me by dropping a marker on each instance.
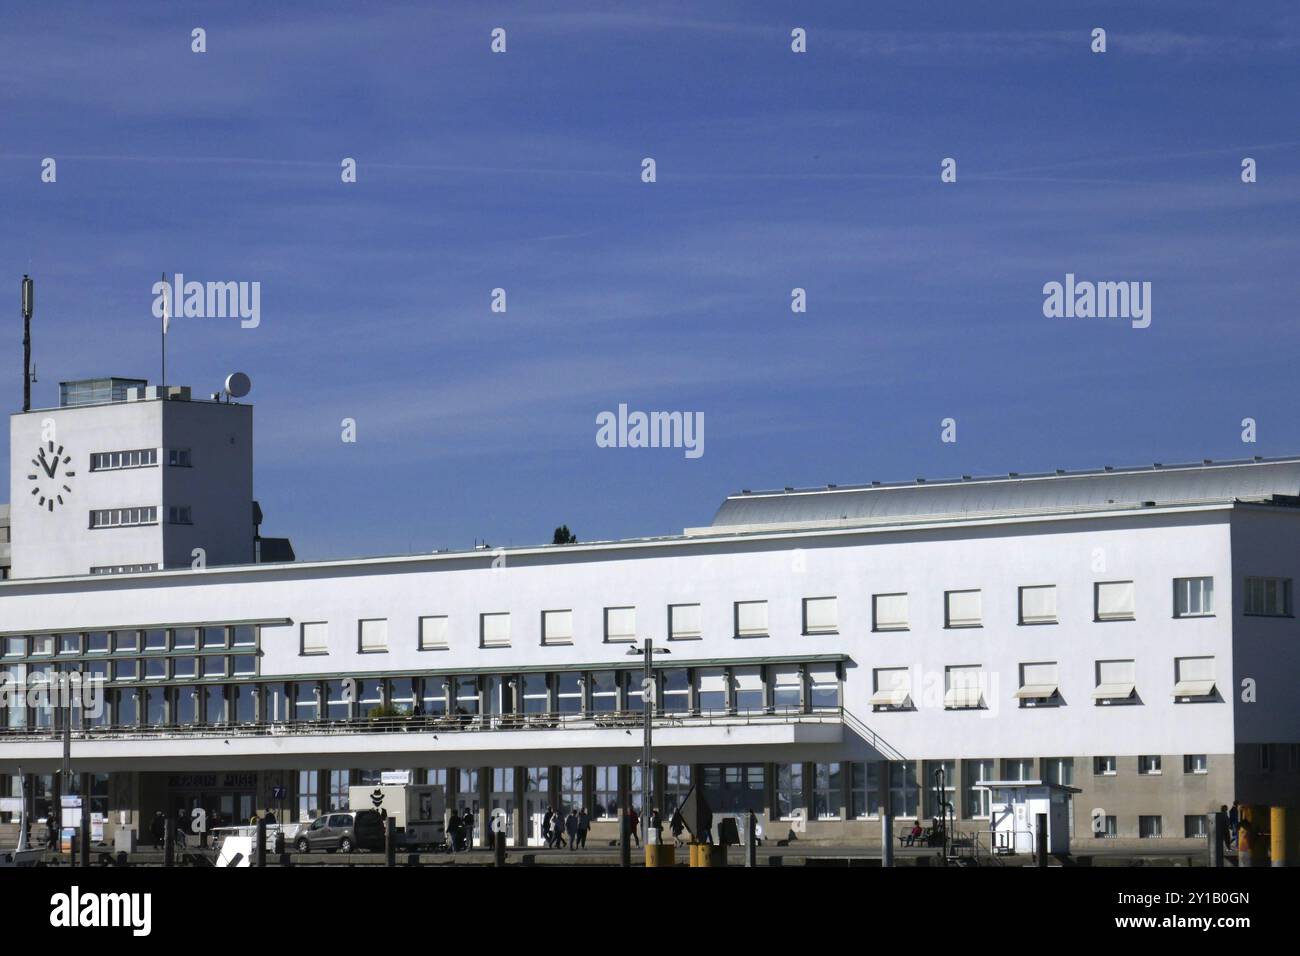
(1107, 488)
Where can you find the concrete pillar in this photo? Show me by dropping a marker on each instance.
(484, 789)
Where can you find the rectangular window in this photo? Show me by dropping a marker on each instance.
(123, 517)
(889, 612)
(1116, 682)
(69, 643)
(827, 790)
(15, 647)
(155, 639)
(712, 693)
(684, 623)
(787, 688)
(179, 514)
(374, 635)
(434, 633)
(977, 773)
(1193, 679)
(537, 694)
(115, 460)
(155, 668)
(620, 625)
(1039, 684)
(789, 789)
(569, 687)
(864, 790)
(245, 665)
(185, 638)
(904, 790)
(1268, 597)
(605, 794)
(43, 645)
(214, 638)
(748, 684)
(751, 619)
(178, 457)
(315, 637)
(604, 692)
(1194, 826)
(1038, 604)
(494, 629)
(1018, 768)
(1149, 765)
(891, 688)
(1195, 763)
(1109, 826)
(308, 795)
(185, 667)
(821, 615)
(1149, 827)
(97, 642)
(1103, 766)
(963, 688)
(1114, 600)
(824, 686)
(676, 693)
(557, 627)
(933, 801)
(215, 666)
(1193, 597)
(126, 670)
(963, 608)
(571, 790)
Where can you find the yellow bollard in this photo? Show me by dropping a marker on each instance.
(1252, 836)
(659, 854)
(701, 854)
(1277, 835)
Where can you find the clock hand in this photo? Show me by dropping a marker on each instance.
(50, 467)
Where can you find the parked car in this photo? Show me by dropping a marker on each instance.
(346, 830)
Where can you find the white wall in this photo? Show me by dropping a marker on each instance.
(1151, 547)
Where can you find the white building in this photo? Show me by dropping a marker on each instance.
(1126, 632)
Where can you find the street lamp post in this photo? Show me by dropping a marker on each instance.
(648, 697)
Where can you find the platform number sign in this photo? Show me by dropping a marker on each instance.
(277, 793)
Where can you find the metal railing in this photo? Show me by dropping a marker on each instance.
(882, 746)
(438, 724)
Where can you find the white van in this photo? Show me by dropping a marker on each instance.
(417, 810)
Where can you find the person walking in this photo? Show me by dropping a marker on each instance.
(678, 825)
(467, 821)
(453, 832)
(158, 828)
(571, 828)
(548, 827)
(584, 825)
(634, 821)
(657, 824)
(1234, 821)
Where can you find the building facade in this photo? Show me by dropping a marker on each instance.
(832, 655)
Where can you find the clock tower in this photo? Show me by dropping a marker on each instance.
(125, 477)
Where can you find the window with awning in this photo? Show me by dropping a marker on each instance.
(820, 615)
(1194, 677)
(889, 612)
(1116, 681)
(893, 688)
(1038, 682)
(684, 622)
(962, 690)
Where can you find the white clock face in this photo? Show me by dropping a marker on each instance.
(51, 476)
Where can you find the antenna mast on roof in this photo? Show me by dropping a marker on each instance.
(27, 343)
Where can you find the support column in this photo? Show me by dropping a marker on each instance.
(520, 815)
(484, 791)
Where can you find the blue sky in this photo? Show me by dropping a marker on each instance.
(775, 170)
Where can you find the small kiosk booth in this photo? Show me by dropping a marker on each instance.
(1014, 808)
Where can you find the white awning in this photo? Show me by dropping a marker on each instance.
(1036, 691)
(890, 697)
(962, 696)
(1194, 688)
(1113, 691)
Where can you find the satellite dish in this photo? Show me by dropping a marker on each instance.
(237, 384)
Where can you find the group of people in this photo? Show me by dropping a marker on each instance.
(460, 831)
(570, 831)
